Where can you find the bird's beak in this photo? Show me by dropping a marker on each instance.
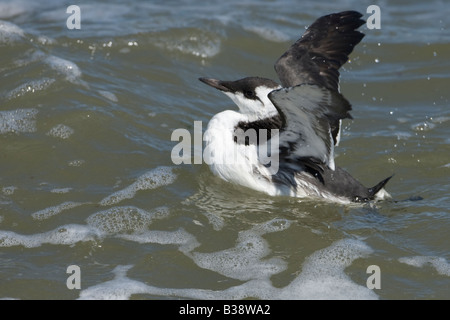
(218, 84)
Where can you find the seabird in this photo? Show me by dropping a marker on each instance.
(299, 120)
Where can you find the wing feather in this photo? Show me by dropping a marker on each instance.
(325, 46)
(306, 112)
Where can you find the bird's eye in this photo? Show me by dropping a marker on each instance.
(249, 94)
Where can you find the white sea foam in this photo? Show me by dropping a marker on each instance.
(108, 95)
(76, 163)
(402, 135)
(65, 67)
(244, 262)
(120, 288)
(440, 119)
(322, 277)
(423, 126)
(128, 219)
(186, 241)
(440, 264)
(61, 190)
(54, 210)
(152, 179)
(131, 223)
(118, 221)
(18, 121)
(9, 32)
(322, 273)
(269, 34)
(44, 40)
(61, 131)
(7, 191)
(30, 86)
(216, 221)
(65, 235)
(200, 45)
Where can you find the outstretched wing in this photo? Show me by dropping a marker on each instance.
(325, 46)
(306, 112)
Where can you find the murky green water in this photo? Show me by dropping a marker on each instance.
(86, 176)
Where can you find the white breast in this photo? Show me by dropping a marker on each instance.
(236, 163)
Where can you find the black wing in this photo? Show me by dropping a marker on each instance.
(325, 46)
(306, 112)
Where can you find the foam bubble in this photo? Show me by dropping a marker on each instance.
(51, 211)
(423, 126)
(115, 221)
(61, 131)
(7, 191)
(9, 32)
(269, 34)
(440, 264)
(76, 163)
(217, 222)
(18, 121)
(186, 241)
(153, 179)
(65, 235)
(120, 288)
(109, 95)
(196, 43)
(65, 67)
(44, 40)
(243, 262)
(440, 119)
(274, 225)
(61, 190)
(69, 234)
(323, 275)
(124, 219)
(401, 135)
(161, 237)
(31, 86)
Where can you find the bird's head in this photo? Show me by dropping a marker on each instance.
(249, 94)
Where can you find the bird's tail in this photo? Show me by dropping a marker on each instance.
(374, 190)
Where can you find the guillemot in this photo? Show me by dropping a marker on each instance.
(303, 116)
